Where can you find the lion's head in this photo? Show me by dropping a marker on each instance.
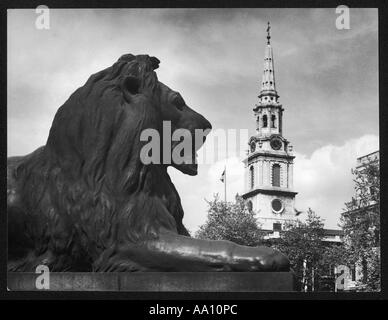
(98, 128)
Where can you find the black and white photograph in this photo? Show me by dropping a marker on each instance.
(183, 150)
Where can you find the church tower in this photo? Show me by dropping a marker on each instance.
(269, 164)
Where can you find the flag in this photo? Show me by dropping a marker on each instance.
(223, 176)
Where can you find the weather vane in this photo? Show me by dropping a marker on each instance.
(268, 35)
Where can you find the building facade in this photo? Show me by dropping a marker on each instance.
(367, 159)
(269, 189)
(348, 278)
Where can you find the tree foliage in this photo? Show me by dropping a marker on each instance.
(230, 221)
(303, 243)
(361, 224)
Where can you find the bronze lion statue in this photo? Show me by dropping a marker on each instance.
(86, 202)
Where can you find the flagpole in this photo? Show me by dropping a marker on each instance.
(225, 185)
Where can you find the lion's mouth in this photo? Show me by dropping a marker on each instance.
(188, 164)
(190, 169)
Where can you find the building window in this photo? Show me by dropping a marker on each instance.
(252, 176)
(273, 120)
(277, 226)
(265, 121)
(353, 272)
(276, 175)
(277, 206)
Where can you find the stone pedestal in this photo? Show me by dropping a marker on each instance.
(157, 281)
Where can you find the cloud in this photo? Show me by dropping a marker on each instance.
(234, 177)
(324, 180)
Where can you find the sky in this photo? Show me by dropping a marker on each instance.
(327, 80)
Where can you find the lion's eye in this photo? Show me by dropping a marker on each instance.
(178, 102)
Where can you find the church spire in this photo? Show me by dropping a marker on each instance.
(269, 162)
(268, 87)
(268, 34)
(268, 112)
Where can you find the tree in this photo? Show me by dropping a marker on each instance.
(302, 243)
(230, 221)
(361, 225)
(334, 255)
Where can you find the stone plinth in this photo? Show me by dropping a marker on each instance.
(158, 281)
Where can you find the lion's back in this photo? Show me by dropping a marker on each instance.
(13, 163)
(18, 239)
(12, 190)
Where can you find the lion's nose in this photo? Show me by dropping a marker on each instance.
(208, 125)
(198, 121)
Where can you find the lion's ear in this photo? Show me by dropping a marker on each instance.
(131, 84)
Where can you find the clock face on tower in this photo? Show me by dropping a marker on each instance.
(276, 143)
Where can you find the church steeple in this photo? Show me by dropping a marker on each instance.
(269, 163)
(268, 88)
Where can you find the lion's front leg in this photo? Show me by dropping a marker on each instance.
(172, 252)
